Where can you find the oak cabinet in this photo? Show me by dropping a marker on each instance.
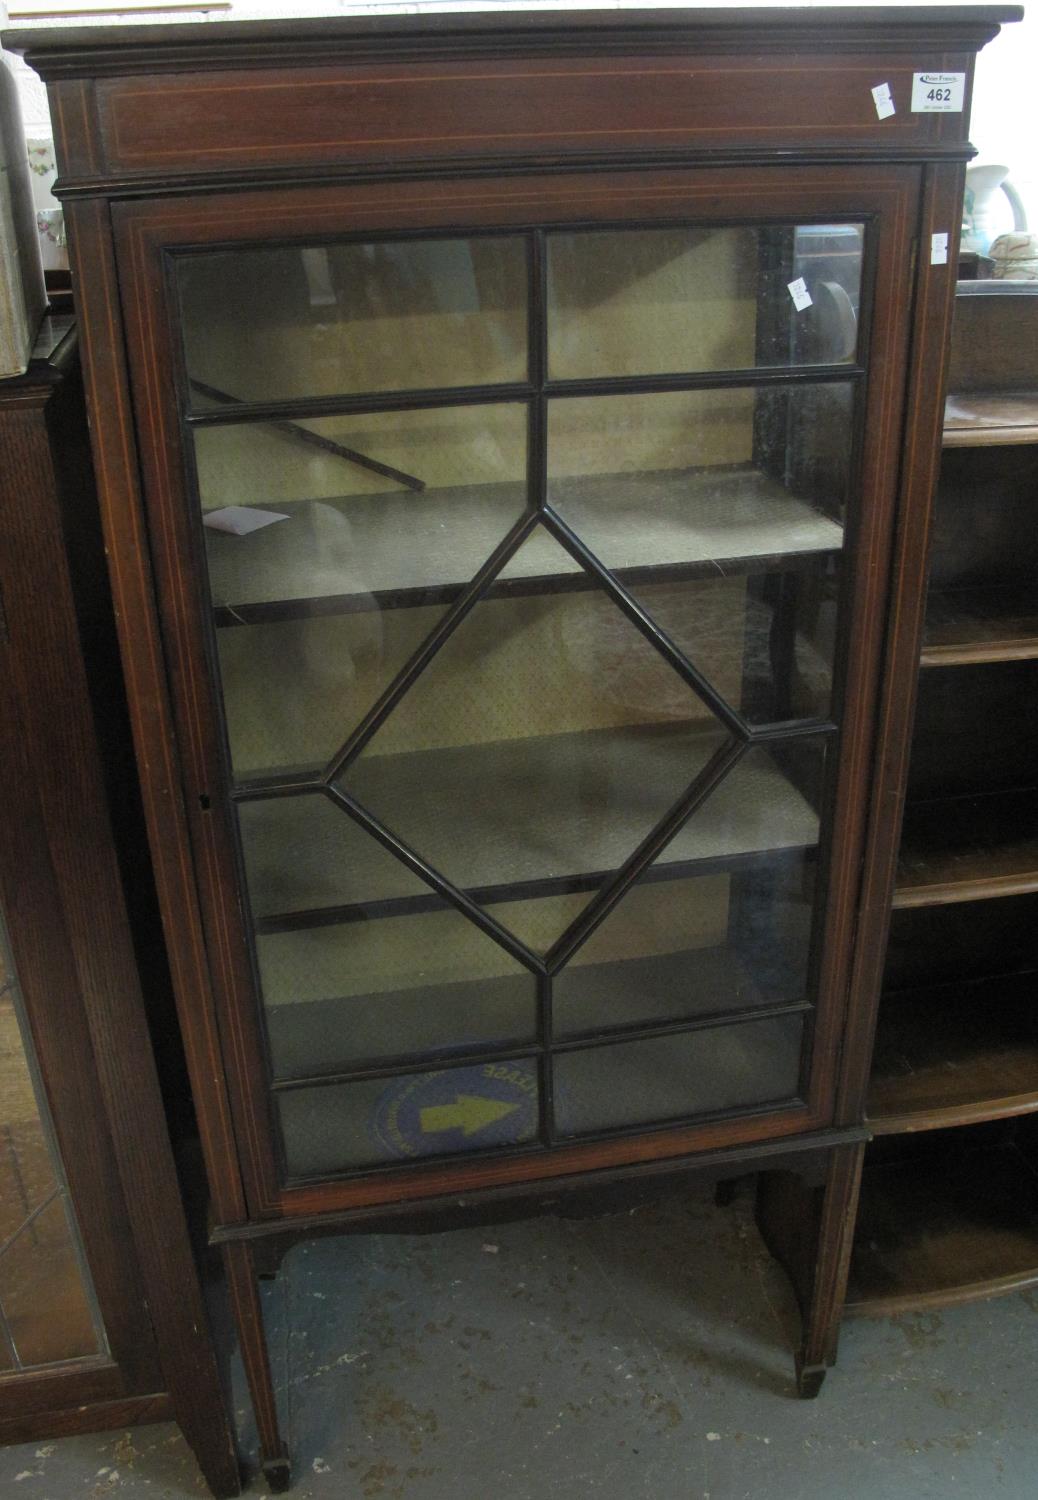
(503, 484)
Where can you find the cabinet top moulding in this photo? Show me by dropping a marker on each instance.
(175, 107)
(75, 51)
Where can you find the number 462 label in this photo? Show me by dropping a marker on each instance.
(938, 93)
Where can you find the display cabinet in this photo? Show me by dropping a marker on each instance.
(102, 1322)
(503, 481)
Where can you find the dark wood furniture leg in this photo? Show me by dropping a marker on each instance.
(248, 1319)
(809, 1227)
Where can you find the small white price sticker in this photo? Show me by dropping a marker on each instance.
(938, 93)
(883, 101)
(800, 295)
(939, 249)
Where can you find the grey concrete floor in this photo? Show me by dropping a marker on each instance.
(641, 1356)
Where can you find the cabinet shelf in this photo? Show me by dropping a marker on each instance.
(944, 1227)
(510, 845)
(969, 849)
(315, 1039)
(974, 625)
(955, 1054)
(989, 419)
(392, 550)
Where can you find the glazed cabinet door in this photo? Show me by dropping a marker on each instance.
(520, 550)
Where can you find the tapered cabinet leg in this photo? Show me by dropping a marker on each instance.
(809, 1228)
(809, 1380)
(252, 1340)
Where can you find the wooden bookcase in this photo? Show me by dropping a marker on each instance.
(949, 1189)
(512, 792)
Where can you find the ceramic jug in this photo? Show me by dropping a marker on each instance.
(980, 206)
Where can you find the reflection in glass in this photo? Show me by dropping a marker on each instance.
(677, 950)
(689, 479)
(670, 300)
(674, 1077)
(42, 1291)
(326, 320)
(771, 635)
(294, 689)
(470, 1108)
(722, 512)
(304, 854)
(46, 1305)
(416, 985)
(542, 743)
(319, 610)
(458, 482)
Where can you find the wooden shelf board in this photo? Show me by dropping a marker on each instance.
(943, 1229)
(515, 813)
(955, 1054)
(392, 550)
(976, 625)
(863, 1305)
(968, 849)
(988, 419)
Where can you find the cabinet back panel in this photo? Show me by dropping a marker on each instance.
(976, 731)
(985, 527)
(971, 940)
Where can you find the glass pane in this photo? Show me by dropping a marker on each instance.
(663, 301)
(325, 320)
(686, 482)
(722, 511)
(293, 690)
(304, 854)
(43, 1294)
(46, 1304)
(319, 609)
(332, 1128)
(673, 1077)
(678, 950)
(767, 641)
(542, 743)
(27, 1174)
(356, 993)
(349, 533)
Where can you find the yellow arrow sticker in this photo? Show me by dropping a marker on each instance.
(466, 1108)
(468, 1113)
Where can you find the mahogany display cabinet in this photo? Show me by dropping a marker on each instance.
(509, 430)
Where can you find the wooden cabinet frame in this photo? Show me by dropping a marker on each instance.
(168, 140)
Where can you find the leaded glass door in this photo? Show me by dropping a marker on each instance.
(528, 566)
(48, 1312)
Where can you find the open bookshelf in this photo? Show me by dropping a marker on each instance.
(945, 1218)
(949, 1197)
(953, 1053)
(970, 625)
(965, 848)
(989, 419)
